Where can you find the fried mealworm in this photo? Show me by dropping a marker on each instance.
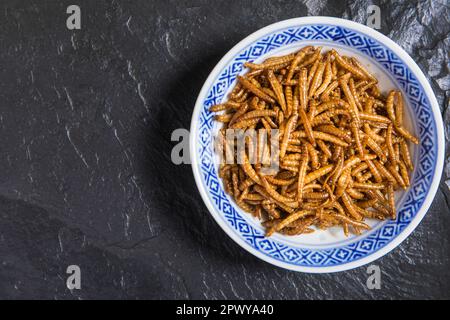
(298, 58)
(303, 88)
(251, 87)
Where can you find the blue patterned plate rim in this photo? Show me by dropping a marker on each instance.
(424, 183)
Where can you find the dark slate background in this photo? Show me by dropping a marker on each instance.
(85, 173)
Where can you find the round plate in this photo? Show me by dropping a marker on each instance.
(324, 250)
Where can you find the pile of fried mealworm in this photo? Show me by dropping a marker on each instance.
(343, 147)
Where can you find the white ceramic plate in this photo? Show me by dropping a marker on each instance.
(324, 250)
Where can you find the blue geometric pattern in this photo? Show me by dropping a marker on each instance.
(422, 175)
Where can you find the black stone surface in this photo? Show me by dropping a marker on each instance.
(85, 173)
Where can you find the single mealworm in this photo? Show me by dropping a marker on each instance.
(326, 93)
(223, 106)
(315, 56)
(248, 169)
(330, 104)
(291, 218)
(390, 105)
(390, 144)
(351, 221)
(406, 155)
(372, 134)
(363, 70)
(355, 194)
(312, 110)
(326, 80)
(292, 148)
(271, 63)
(287, 132)
(279, 182)
(293, 156)
(348, 204)
(390, 192)
(317, 79)
(375, 147)
(274, 194)
(374, 117)
(289, 168)
(245, 123)
(316, 195)
(405, 133)
(313, 155)
(324, 118)
(342, 183)
(251, 87)
(399, 109)
(373, 169)
(404, 173)
(298, 58)
(270, 209)
(321, 136)
(239, 113)
(303, 88)
(302, 174)
(337, 153)
(342, 147)
(353, 108)
(318, 173)
(397, 150)
(368, 106)
(377, 186)
(252, 196)
(350, 162)
(361, 167)
(290, 163)
(351, 86)
(277, 89)
(324, 148)
(271, 123)
(336, 132)
(384, 172)
(304, 119)
(355, 71)
(391, 168)
(355, 131)
(366, 203)
(223, 117)
(312, 72)
(364, 177)
(257, 114)
(273, 201)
